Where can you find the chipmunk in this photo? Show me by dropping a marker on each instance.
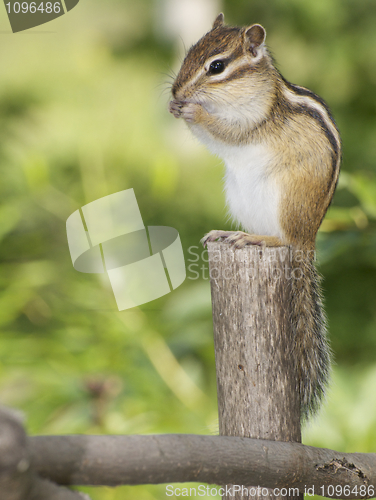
(282, 153)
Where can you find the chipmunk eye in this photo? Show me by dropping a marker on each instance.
(216, 67)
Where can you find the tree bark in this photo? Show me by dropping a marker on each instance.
(256, 378)
(118, 460)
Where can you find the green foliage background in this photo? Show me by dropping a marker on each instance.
(83, 114)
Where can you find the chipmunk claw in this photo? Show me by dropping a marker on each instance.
(175, 108)
(215, 235)
(237, 239)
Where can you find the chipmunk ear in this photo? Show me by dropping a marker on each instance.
(219, 21)
(254, 37)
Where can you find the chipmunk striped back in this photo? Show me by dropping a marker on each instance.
(300, 100)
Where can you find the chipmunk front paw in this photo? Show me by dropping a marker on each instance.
(175, 107)
(189, 111)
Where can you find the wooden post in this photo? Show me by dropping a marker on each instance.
(256, 379)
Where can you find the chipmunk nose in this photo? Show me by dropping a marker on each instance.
(176, 87)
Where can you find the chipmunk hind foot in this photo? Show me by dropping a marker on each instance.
(239, 239)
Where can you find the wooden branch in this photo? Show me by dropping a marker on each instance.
(256, 379)
(117, 460)
(17, 479)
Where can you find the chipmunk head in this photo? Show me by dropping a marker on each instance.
(227, 68)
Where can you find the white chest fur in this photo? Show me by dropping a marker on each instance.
(251, 192)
